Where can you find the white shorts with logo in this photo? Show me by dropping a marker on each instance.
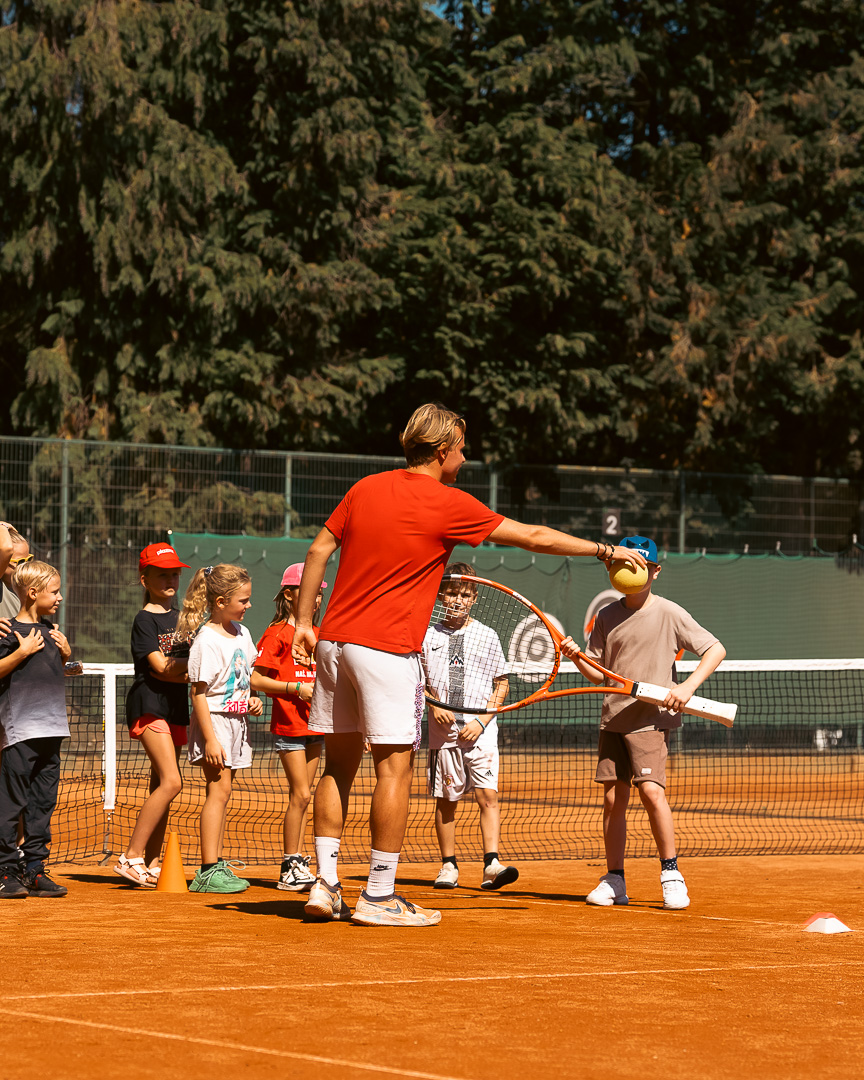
(232, 731)
(379, 694)
(453, 771)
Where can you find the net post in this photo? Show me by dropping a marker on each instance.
(109, 752)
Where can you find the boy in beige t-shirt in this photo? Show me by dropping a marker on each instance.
(639, 636)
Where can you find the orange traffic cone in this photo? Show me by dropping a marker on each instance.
(173, 876)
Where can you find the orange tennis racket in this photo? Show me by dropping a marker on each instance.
(462, 659)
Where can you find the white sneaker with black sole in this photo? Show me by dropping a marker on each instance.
(496, 875)
(610, 890)
(448, 877)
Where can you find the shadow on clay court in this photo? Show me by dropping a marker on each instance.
(100, 879)
(510, 891)
(281, 909)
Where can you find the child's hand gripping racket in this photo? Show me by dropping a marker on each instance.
(524, 631)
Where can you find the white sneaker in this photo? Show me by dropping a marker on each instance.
(295, 875)
(497, 874)
(675, 895)
(448, 877)
(325, 903)
(610, 890)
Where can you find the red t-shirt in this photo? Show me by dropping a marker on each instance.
(289, 715)
(396, 530)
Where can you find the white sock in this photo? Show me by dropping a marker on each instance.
(327, 855)
(382, 874)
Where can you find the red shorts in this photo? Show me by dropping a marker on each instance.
(179, 732)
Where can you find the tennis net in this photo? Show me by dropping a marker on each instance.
(788, 778)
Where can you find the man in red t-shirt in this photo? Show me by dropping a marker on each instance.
(396, 531)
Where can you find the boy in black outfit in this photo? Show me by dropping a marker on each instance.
(33, 724)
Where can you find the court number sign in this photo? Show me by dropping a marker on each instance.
(612, 523)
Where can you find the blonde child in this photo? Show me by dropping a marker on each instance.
(33, 724)
(463, 749)
(157, 707)
(290, 686)
(220, 669)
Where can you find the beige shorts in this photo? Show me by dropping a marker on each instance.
(378, 694)
(233, 735)
(452, 771)
(632, 757)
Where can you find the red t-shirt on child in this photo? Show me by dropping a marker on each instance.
(289, 715)
(396, 530)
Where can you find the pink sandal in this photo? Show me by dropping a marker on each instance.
(135, 870)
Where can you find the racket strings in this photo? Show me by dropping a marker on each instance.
(479, 634)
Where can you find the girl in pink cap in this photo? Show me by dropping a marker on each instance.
(290, 686)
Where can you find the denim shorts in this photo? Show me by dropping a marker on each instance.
(294, 742)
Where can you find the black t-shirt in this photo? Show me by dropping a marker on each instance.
(156, 632)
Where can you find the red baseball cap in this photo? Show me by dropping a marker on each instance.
(293, 574)
(162, 555)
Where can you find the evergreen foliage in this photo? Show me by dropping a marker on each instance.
(607, 231)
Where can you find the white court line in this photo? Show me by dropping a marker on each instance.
(222, 1044)
(348, 984)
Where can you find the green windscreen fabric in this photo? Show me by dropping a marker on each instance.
(761, 607)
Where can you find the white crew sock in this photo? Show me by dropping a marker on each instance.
(327, 855)
(382, 874)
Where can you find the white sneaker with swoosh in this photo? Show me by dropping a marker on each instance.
(325, 903)
(392, 911)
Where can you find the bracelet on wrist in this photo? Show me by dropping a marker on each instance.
(480, 722)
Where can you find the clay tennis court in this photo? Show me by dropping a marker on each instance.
(113, 981)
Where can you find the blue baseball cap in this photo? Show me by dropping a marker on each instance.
(646, 548)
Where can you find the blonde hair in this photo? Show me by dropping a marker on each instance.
(204, 590)
(430, 426)
(16, 536)
(33, 575)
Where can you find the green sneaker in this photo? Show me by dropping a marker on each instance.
(217, 880)
(228, 868)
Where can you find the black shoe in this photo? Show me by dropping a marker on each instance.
(10, 885)
(38, 883)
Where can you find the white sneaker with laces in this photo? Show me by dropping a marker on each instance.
(448, 877)
(325, 903)
(675, 895)
(496, 875)
(610, 890)
(295, 875)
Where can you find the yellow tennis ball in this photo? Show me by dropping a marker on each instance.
(626, 577)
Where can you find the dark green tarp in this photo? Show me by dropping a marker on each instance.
(761, 607)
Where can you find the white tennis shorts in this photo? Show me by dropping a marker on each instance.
(233, 735)
(377, 693)
(453, 771)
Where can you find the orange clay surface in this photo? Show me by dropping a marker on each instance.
(113, 981)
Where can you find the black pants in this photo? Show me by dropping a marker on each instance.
(29, 777)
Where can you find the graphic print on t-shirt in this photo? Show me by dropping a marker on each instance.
(238, 680)
(456, 649)
(171, 644)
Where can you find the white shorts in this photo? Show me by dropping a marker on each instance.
(233, 735)
(453, 771)
(377, 693)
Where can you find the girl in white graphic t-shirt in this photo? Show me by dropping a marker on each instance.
(220, 669)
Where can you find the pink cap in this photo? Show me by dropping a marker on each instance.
(293, 574)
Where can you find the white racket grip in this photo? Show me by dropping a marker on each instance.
(721, 711)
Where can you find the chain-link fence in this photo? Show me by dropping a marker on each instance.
(89, 507)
